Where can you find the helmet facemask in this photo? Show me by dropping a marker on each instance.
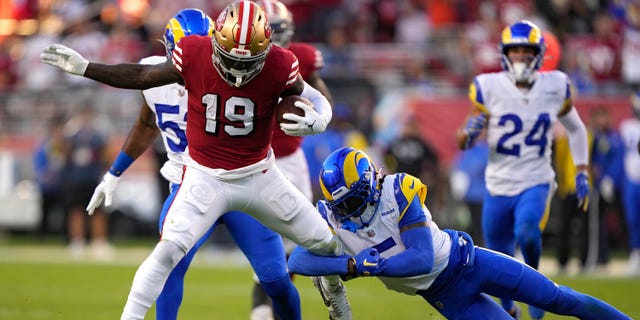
(354, 202)
(235, 68)
(282, 32)
(522, 72)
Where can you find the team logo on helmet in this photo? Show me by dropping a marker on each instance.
(220, 20)
(241, 42)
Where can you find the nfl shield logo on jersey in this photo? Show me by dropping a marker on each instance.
(371, 233)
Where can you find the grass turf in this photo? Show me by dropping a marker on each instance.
(69, 291)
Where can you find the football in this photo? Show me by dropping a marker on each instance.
(286, 105)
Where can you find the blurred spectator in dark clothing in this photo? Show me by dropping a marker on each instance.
(607, 165)
(468, 186)
(568, 17)
(337, 54)
(411, 154)
(48, 160)
(85, 163)
(573, 226)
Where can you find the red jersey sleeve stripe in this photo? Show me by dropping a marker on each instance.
(176, 58)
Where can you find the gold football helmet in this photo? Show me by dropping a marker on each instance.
(281, 21)
(241, 42)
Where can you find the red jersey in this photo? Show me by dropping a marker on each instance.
(229, 127)
(310, 60)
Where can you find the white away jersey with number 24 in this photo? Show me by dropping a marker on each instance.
(519, 128)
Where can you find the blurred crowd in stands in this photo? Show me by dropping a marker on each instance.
(451, 40)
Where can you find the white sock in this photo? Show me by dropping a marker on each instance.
(147, 285)
(150, 279)
(333, 281)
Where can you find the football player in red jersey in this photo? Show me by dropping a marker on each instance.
(234, 83)
(291, 160)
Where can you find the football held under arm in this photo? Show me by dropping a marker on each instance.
(316, 117)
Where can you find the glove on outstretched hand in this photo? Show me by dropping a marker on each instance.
(368, 262)
(582, 190)
(104, 191)
(474, 128)
(64, 58)
(311, 123)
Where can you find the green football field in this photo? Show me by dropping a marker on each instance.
(42, 283)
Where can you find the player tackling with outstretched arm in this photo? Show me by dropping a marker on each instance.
(388, 232)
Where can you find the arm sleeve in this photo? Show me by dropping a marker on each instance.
(307, 263)
(320, 102)
(418, 256)
(577, 133)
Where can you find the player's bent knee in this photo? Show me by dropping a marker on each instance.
(168, 253)
(528, 234)
(270, 269)
(276, 286)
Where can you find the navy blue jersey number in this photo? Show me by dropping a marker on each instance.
(537, 136)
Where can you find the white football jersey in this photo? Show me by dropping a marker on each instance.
(630, 133)
(169, 103)
(519, 128)
(384, 234)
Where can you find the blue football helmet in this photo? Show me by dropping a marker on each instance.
(522, 34)
(348, 180)
(186, 22)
